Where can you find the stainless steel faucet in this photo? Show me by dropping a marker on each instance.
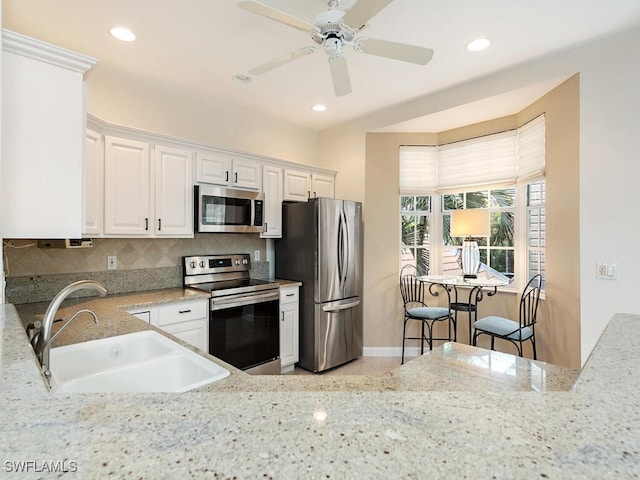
(45, 339)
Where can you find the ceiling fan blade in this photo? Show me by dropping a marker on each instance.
(340, 75)
(281, 60)
(397, 51)
(277, 15)
(363, 11)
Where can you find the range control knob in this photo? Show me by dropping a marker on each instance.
(203, 264)
(245, 261)
(194, 264)
(237, 262)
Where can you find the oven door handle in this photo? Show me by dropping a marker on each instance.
(335, 306)
(222, 303)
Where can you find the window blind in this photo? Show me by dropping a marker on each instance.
(418, 169)
(492, 161)
(480, 163)
(531, 151)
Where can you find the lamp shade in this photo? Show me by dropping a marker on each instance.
(472, 222)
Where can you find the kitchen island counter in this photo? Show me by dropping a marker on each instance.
(421, 420)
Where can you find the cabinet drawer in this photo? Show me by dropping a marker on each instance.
(182, 312)
(288, 295)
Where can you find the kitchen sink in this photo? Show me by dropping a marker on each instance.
(136, 362)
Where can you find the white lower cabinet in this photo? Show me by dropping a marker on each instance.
(289, 327)
(187, 320)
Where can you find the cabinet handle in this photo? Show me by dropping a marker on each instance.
(184, 311)
(290, 294)
(282, 316)
(226, 176)
(159, 224)
(235, 177)
(308, 194)
(315, 194)
(146, 224)
(265, 227)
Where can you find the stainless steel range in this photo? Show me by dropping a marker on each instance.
(244, 326)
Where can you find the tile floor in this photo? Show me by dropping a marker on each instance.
(359, 366)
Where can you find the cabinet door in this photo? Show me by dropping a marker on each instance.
(93, 197)
(297, 185)
(174, 192)
(247, 174)
(322, 186)
(127, 201)
(289, 326)
(187, 320)
(42, 148)
(272, 187)
(213, 167)
(194, 333)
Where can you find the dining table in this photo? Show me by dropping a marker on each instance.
(467, 293)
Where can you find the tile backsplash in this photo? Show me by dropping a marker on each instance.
(32, 273)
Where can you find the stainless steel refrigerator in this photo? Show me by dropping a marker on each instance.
(321, 246)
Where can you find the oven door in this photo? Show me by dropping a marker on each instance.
(221, 209)
(244, 329)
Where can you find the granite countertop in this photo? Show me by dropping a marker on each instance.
(454, 413)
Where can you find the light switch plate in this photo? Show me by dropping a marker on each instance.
(112, 262)
(606, 271)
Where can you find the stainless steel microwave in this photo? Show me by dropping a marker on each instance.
(224, 210)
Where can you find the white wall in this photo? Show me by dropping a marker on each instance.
(609, 166)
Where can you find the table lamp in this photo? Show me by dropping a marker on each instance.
(470, 223)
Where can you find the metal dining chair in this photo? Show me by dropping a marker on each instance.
(415, 308)
(510, 330)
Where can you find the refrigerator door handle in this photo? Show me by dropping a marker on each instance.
(343, 249)
(334, 307)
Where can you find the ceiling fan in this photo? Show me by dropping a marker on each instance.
(333, 29)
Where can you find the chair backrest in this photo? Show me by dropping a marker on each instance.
(411, 289)
(529, 301)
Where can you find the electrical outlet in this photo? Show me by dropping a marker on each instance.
(112, 262)
(256, 256)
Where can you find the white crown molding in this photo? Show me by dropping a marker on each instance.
(19, 44)
(130, 133)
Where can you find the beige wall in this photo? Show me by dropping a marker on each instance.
(135, 102)
(559, 327)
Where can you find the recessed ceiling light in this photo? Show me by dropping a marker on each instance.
(124, 34)
(478, 44)
(318, 108)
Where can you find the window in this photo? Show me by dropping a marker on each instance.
(415, 219)
(498, 251)
(503, 173)
(536, 231)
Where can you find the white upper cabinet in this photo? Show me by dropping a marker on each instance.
(300, 186)
(43, 132)
(272, 187)
(322, 185)
(174, 192)
(127, 208)
(230, 171)
(145, 198)
(297, 185)
(93, 185)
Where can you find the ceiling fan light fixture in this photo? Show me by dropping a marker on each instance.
(478, 44)
(123, 34)
(318, 108)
